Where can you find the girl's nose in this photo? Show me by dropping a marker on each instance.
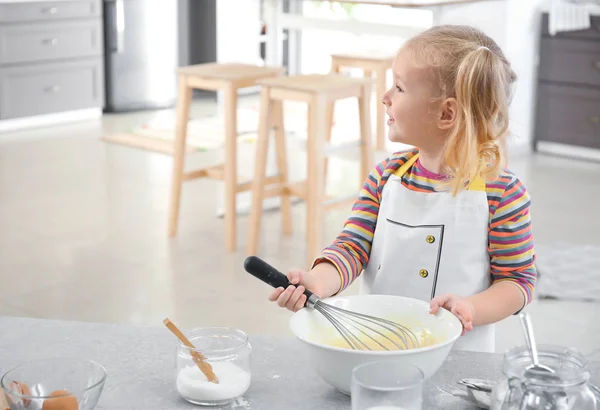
(385, 100)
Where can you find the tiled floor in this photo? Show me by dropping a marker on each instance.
(83, 237)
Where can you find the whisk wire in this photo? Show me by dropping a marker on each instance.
(349, 321)
(344, 320)
(345, 333)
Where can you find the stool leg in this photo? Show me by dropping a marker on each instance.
(281, 154)
(315, 210)
(381, 126)
(366, 146)
(369, 74)
(184, 99)
(329, 116)
(231, 177)
(260, 169)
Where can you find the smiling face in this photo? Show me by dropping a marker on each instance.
(412, 107)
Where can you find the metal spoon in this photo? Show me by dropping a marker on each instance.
(528, 330)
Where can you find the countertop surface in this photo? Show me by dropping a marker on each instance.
(140, 362)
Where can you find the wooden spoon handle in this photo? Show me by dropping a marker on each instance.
(198, 357)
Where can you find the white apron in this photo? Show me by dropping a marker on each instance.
(428, 244)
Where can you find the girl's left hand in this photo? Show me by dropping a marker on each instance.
(460, 307)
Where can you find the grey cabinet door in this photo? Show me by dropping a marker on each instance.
(568, 115)
(50, 88)
(49, 10)
(50, 41)
(570, 61)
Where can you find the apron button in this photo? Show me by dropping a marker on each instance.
(424, 273)
(430, 239)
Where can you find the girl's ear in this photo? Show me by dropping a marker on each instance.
(448, 113)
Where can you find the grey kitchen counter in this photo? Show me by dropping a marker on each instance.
(140, 362)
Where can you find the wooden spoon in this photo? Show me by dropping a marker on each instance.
(198, 357)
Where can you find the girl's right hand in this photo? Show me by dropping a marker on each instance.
(293, 297)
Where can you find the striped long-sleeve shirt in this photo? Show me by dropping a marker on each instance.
(510, 244)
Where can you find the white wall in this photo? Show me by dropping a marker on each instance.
(523, 28)
(238, 31)
(488, 16)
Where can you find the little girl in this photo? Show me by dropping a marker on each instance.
(444, 222)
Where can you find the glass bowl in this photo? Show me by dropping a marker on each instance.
(228, 352)
(53, 384)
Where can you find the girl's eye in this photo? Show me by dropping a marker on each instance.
(399, 88)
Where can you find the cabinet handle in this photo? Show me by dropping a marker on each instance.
(50, 41)
(52, 89)
(50, 10)
(595, 120)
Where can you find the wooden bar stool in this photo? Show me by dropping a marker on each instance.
(377, 64)
(319, 91)
(228, 78)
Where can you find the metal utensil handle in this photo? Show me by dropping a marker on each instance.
(529, 338)
(268, 274)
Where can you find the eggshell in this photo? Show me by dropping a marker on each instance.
(60, 403)
(20, 388)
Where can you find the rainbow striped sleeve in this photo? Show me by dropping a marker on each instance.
(510, 245)
(350, 251)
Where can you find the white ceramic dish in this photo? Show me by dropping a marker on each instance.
(335, 364)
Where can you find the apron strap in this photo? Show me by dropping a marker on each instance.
(478, 184)
(402, 170)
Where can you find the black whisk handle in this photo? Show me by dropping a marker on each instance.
(268, 274)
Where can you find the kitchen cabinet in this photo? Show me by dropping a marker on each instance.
(568, 93)
(51, 57)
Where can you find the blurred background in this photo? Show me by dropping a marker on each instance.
(88, 100)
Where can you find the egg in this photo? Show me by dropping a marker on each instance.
(19, 388)
(4, 401)
(63, 401)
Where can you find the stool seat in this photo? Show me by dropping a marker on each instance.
(315, 83)
(216, 76)
(372, 61)
(230, 71)
(376, 57)
(227, 78)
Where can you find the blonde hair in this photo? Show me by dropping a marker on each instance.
(470, 67)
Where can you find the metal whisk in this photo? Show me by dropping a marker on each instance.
(355, 328)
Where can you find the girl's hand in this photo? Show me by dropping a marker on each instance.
(460, 307)
(323, 280)
(293, 297)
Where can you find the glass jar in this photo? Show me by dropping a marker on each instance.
(228, 352)
(522, 389)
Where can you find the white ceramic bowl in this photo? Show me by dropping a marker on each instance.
(335, 364)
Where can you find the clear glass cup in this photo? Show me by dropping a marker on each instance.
(387, 386)
(228, 352)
